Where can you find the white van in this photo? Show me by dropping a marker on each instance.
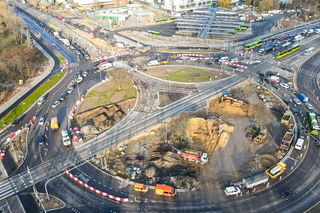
(232, 190)
(223, 59)
(153, 62)
(105, 66)
(299, 144)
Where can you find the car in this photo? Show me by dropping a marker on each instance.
(208, 62)
(16, 121)
(277, 86)
(110, 211)
(70, 90)
(232, 190)
(42, 120)
(77, 74)
(295, 100)
(193, 58)
(41, 139)
(309, 106)
(261, 50)
(166, 55)
(55, 104)
(294, 110)
(293, 90)
(218, 62)
(257, 61)
(85, 74)
(284, 85)
(156, 53)
(301, 134)
(87, 56)
(79, 79)
(232, 66)
(287, 101)
(198, 61)
(41, 101)
(63, 96)
(239, 69)
(289, 193)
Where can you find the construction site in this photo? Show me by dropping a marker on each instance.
(239, 135)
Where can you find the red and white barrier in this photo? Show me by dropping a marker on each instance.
(190, 55)
(235, 61)
(247, 51)
(13, 135)
(202, 58)
(74, 107)
(104, 57)
(96, 190)
(236, 53)
(238, 65)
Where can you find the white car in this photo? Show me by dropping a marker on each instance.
(79, 79)
(85, 74)
(41, 121)
(296, 101)
(284, 85)
(261, 50)
(41, 101)
(232, 190)
(193, 58)
(293, 90)
(70, 90)
(55, 104)
(239, 69)
(309, 106)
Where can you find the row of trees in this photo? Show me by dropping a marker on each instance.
(17, 60)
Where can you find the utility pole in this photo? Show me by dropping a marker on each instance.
(35, 190)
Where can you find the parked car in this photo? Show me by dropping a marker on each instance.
(55, 104)
(293, 90)
(232, 190)
(284, 85)
(239, 69)
(288, 194)
(85, 74)
(77, 74)
(294, 110)
(287, 101)
(63, 96)
(277, 86)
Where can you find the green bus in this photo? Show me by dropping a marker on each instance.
(288, 51)
(172, 18)
(160, 20)
(313, 123)
(156, 33)
(253, 45)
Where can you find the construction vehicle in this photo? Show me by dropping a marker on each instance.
(286, 140)
(194, 155)
(215, 129)
(287, 118)
(165, 190)
(65, 138)
(54, 123)
(255, 180)
(257, 136)
(227, 96)
(276, 170)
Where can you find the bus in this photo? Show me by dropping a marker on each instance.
(156, 33)
(288, 51)
(313, 123)
(172, 18)
(253, 45)
(244, 25)
(160, 20)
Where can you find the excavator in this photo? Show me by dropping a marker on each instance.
(227, 97)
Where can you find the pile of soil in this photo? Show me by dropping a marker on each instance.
(104, 117)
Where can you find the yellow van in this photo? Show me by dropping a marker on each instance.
(165, 190)
(139, 187)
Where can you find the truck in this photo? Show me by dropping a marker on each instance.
(287, 118)
(65, 138)
(255, 180)
(274, 79)
(153, 62)
(276, 170)
(54, 123)
(286, 140)
(303, 97)
(193, 155)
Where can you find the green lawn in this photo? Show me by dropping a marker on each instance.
(105, 96)
(190, 75)
(62, 60)
(31, 99)
(188, 51)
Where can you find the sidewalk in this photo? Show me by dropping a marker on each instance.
(34, 81)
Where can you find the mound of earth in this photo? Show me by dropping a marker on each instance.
(268, 160)
(104, 117)
(167, 98)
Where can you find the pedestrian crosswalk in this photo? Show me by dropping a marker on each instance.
(7, 189)
(308, 72)
(73, 65)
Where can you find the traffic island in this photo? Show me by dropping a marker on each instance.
(53, 203)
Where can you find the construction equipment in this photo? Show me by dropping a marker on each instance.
(227, 97)
(215, 129)
(257, 135)
(261, 136)
(194, 155)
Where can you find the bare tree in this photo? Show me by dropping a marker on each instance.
(119, 76)
(261, 115)
(181, 124)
